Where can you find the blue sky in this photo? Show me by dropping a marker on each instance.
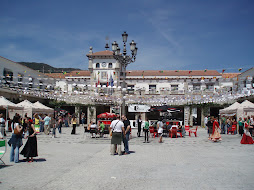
(170, 34)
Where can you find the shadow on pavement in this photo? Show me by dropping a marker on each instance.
(35, 160)
(4, 166)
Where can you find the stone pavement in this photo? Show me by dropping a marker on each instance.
(81, 162)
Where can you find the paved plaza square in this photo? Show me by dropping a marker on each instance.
(81, 162)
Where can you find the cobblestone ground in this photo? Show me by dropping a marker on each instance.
(81, 162)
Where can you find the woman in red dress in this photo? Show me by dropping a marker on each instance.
(247, 139)
(216, 135)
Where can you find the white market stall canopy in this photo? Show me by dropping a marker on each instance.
(248, 109)
(245, 105)
(241, 110)
(230, 110)
(30, 108)
(4, 103)
(41, 106)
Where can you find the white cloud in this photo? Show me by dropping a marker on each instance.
(160, 20)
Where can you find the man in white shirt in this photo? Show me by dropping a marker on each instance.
(205, 121)
(93, 129)
(117, 128)
(2, 126)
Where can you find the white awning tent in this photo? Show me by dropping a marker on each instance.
(30, 109)
(4, 103)
(231, 110)
(241, 110)
(246, 105)
(248, 109)
(42, 106)
(8, 106)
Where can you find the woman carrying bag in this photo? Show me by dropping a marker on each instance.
(30, 148)
(16, 140)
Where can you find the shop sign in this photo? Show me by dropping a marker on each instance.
(138, 108)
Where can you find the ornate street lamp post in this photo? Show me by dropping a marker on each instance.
(124, 60)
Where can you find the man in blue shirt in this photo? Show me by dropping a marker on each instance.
(46, 124)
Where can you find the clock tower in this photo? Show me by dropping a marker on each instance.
(104, 69)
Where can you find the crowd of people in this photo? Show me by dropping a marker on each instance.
(229, 125)
(119, 129)
(23, 128)
(27, 128)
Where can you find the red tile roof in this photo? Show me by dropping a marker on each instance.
(77, 73)
(230, 75)
(144, 73)
(101, 53)
(55, 75)
(173, 73)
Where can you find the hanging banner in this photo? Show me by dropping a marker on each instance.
(138, 108)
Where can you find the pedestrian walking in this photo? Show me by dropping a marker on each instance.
(160, 129)
(139, 122)
(205, 121)
(117, 128)
(216, 135)
(251, 125)
(30, 148)
(241, 126)
(16, 140)
(83, 119)
(37, 122)
(41, 123)
(66, 120)
(54, 124)
(74, 123)
(2, 126)
(59, 124)
(246, 139)
(223, 124)
(228, 124)
(47, 120)
(210, 127)
(146, 130)
(126, 134)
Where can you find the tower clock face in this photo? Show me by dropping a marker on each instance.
(103, 64)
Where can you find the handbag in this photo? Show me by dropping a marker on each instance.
(17, 132)
(113, 129)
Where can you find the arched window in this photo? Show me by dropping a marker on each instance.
(97, 65)
(110, 65)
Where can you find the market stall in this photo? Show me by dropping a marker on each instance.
(8, 107)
